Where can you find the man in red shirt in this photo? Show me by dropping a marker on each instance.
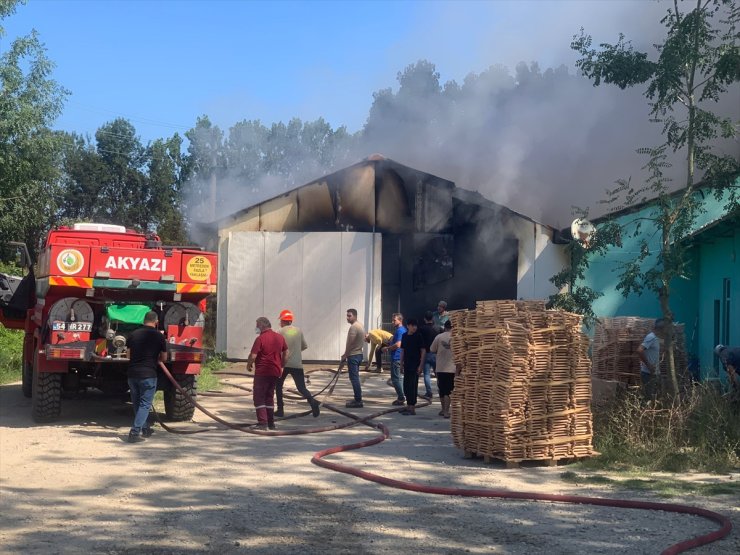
(267, 357)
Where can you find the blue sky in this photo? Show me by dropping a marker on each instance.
(163, 63)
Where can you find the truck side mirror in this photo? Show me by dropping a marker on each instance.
(23, 259)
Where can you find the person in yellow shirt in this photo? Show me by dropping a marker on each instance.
(377, 338)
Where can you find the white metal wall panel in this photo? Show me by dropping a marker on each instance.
(316, 275)
(245, 294)
(282, 275)
(357, 271)
(319, 319)
(221, 293)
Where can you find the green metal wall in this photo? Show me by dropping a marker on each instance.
(712, 259)
(718, 265)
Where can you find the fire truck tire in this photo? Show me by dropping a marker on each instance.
(176, 406)
(47, 396)
(27, 379)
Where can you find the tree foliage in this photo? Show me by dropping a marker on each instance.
(30, 100)
(695, 64)
(119, 180)
(228, 171)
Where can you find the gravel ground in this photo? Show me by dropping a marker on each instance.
(75, 486)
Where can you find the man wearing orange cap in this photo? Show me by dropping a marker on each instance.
(294, 363)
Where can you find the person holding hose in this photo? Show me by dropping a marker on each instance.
(267, 358)
(147, 347)
(294, 363)
(378, 338)
(353, 356)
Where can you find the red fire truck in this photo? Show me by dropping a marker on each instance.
(92, 287)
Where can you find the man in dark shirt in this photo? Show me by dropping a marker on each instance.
(730, 357)
(412, 358)
(428, 331)
(146, 348)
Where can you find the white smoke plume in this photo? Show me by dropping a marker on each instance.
(530, 134)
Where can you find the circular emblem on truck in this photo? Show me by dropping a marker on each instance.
(70, 261)
(198, 268)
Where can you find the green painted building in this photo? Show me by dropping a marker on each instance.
(706, 299)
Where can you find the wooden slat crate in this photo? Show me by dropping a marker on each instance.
(525, 390)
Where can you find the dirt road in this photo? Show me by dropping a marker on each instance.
(76, 487)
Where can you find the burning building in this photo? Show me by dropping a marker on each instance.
(380, 237)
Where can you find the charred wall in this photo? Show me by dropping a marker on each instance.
(475, 260)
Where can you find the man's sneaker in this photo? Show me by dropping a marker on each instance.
(259, 427)
(147, 432)
(134, 438)
(279, 413)
(354, 404)
(271, 426)
(428, 396)
(398, 402)
(315, 410)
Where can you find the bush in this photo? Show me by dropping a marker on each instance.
(695, 431)
(11, 354)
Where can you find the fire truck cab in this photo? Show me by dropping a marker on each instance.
(93, 285)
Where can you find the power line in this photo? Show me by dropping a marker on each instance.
(140, 119)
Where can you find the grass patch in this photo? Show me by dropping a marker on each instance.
(660, 486)
(208, 379)
(11, 354)
(696, 431)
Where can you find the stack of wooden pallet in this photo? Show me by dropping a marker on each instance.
(615, 349)
(525, 389)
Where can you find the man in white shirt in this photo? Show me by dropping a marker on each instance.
(649, 353)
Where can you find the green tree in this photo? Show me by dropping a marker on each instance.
(225, 173)
(165, 166)
(118, 180)
(30, 152)
(693, 66)
(205, 164)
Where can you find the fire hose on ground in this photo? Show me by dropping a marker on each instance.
(354, 420)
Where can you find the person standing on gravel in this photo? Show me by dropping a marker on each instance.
(294, 363)
(267, 358)
(428, 332)
(147, 347)
(446, 369)
(412, 358)
(395, 348)
(353, 356)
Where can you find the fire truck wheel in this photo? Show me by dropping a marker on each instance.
(176, 406)
(47, 396)
(27, 379)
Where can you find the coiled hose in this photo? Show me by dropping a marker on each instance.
(354, 420)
